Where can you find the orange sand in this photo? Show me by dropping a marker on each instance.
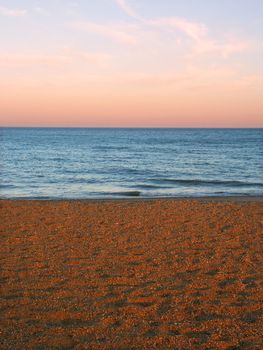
(160, 274)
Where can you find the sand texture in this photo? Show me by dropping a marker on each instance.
(160, 274)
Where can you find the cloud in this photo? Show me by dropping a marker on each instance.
(164, 79)
(224, 49)
(16, 59)
(113, 32)
(7, 12)
(33, 59)
(189, 78)
(98, 58)
(196, 31)
(67, 57)
(199, 34)
(127, 9)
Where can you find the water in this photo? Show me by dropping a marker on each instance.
(61, 163)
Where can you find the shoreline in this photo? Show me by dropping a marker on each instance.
(235, 198)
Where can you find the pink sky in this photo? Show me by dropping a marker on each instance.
(74, 66)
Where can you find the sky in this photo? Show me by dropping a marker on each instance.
(131, 63)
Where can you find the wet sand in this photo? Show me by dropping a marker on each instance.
(156, 274)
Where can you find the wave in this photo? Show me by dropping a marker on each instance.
(7, 186)
(198, 182)
(125, 193)
(151, 187)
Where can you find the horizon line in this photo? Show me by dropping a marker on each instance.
(129, 127)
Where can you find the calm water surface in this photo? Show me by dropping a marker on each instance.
(103, 163)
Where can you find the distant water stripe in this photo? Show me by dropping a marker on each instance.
(198, 182)
(151, 187)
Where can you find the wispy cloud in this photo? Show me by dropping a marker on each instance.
(199, 34)
(68, 56)
(187, 79)
(196, 31)
(17, 59)
(111, 31)
(98, 58)
(224, 49)
(127, 8)
(7, 12)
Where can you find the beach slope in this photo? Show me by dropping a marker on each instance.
(156, 274)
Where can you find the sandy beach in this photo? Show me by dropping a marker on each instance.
(155, 274)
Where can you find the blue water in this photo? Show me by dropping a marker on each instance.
(61, 163)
